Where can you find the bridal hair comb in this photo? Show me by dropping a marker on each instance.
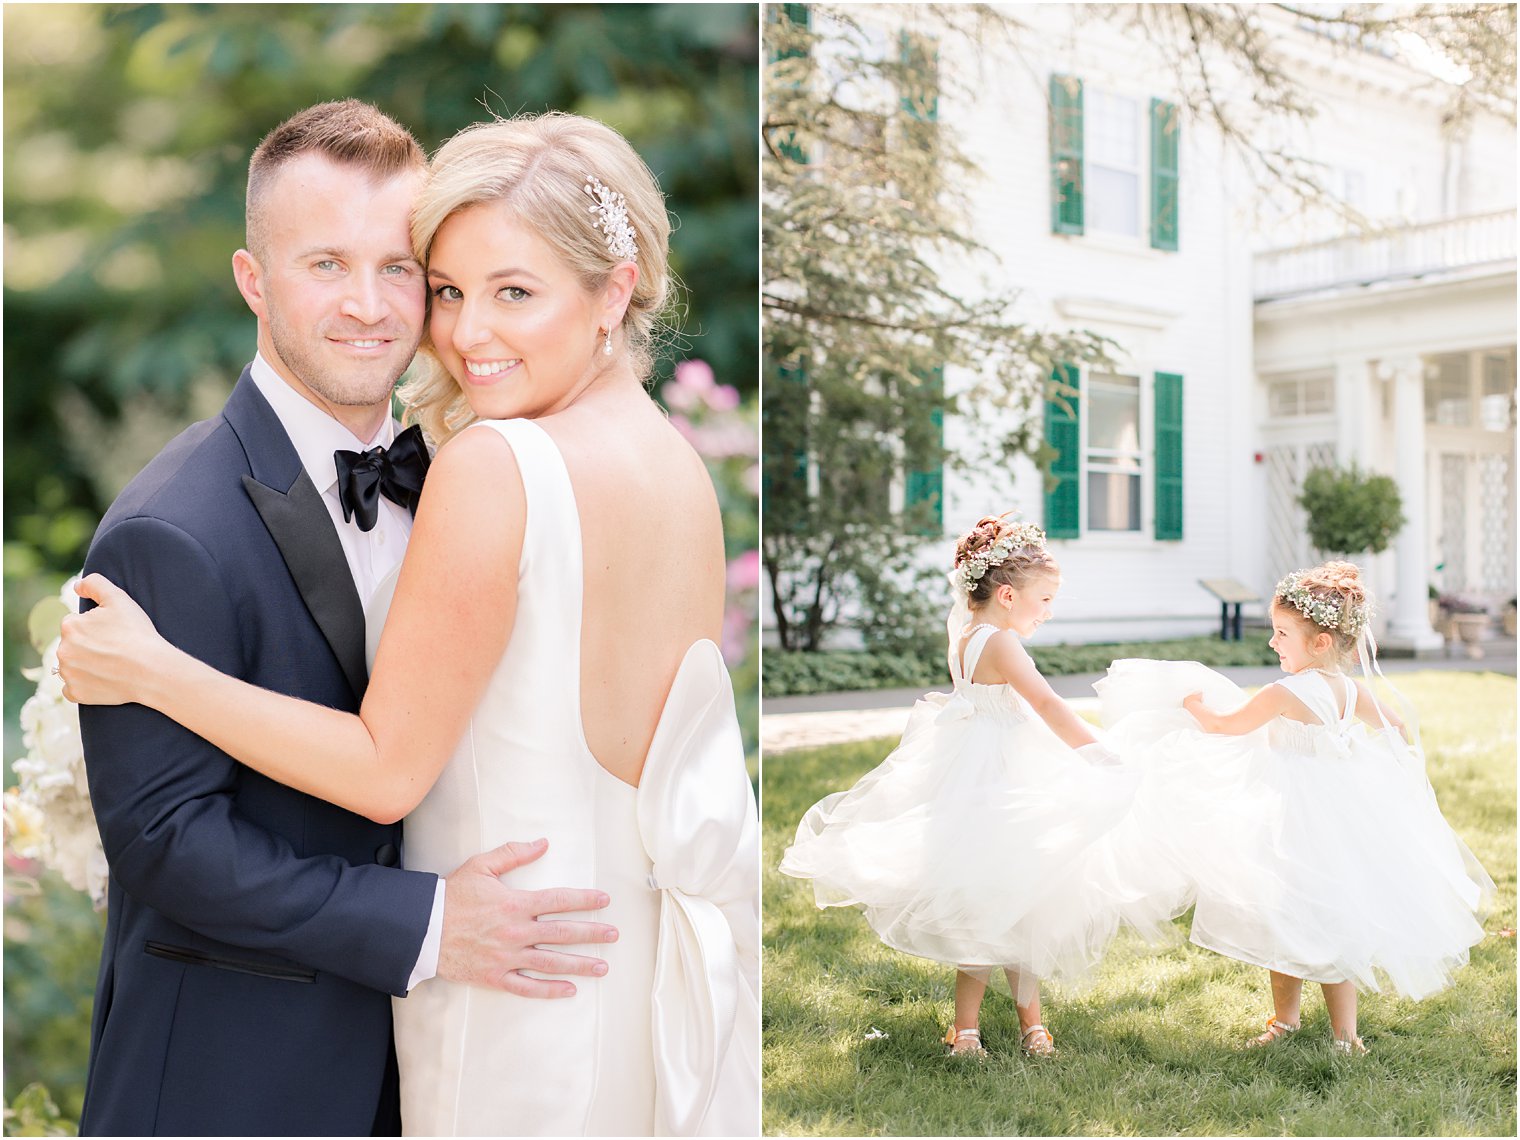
(1019, 536)
(1327, 610)
(611, 209)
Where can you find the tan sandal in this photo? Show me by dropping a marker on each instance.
(1037, 1042)
(1348, 1047)
(1276, 1031)
(954, 1037)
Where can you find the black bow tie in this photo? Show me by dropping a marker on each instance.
(396, 472)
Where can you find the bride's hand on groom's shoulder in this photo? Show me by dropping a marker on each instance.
(491, 933)
(106, 654)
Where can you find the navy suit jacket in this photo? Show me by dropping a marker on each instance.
(254, 933)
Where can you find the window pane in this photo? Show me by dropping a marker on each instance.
(1113, 501)
(1448, 390)
(1114, 403)
(1113, 200)
(1282, 398)
(1113, 131)
(1319, 395)
(1497, 409)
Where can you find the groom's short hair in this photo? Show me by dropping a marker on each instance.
(348, 131)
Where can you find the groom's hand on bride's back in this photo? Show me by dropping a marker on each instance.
(491, 932)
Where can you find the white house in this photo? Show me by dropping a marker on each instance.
(1254, 342)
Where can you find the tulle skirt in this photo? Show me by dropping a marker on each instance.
(1324, 859)
(983, 841)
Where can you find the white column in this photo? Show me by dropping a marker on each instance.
(1409, 629)
(1354, 412)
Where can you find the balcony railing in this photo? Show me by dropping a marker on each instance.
(1405, 253)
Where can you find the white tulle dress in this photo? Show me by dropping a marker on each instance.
(1316, 850)
(984, 841)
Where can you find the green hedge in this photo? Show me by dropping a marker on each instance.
(794, 674)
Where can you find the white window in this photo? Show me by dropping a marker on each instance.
(1301, 396)
(1496, 407)
(1448, 390)
(1114, 455)
(1115, 166)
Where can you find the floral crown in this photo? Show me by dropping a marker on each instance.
(1019, 536)
(1328, 611)
(611, 209)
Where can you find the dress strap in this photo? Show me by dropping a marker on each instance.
(980, 635)
(550, 569)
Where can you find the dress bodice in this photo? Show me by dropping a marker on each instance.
(658, 1044)
(998, 701)
(1336, 712)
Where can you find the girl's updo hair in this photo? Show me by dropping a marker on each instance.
(538, 165)
(998, 551)
(1331, 597)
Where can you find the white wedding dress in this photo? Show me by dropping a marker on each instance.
(667, 1043)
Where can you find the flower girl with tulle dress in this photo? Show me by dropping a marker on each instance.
(1304, 817)
(997, 835)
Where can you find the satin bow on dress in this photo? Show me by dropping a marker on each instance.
(705, 855)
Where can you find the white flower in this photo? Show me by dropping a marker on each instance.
(48, 816)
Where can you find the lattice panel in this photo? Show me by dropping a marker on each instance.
(1287, 533)
(1453, 541)
(1318, 455)
(1496, 503)
(1285, 518)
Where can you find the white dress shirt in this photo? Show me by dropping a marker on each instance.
(371, 555)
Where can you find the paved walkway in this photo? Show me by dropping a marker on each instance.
(834, 718)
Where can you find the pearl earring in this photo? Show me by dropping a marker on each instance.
(607, 347)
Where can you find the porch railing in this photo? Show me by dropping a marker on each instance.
(1404, 253)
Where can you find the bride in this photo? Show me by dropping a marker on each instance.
(543, 663)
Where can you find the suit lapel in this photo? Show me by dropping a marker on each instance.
(296, 518)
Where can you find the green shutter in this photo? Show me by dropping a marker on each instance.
(1065, 154)
(920, 87)
(925, 482)
(794, 380)
(1168, 397)
(784, 414)
(1063, 501)
(1166, 134)
(798, 16)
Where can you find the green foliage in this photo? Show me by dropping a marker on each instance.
(1152, 1047)
(794, 674)
(33, 1113)
(1351, 512)
(52, 953)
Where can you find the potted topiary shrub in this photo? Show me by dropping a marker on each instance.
(1350, 512)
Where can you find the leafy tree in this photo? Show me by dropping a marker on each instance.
(863, 207)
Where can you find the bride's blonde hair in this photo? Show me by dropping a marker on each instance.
(538, 166)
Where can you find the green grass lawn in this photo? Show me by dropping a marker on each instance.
(1153, 1046)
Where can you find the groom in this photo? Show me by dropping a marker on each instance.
(254, 934)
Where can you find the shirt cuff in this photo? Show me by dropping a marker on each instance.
(427, 958)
